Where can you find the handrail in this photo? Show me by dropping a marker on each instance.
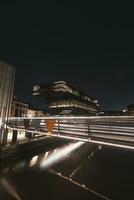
(74, 117)
(117, 130)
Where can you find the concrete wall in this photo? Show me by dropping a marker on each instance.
(7, 75)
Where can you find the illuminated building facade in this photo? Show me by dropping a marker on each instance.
(62, 98)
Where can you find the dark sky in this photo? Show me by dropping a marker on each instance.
(89, 44)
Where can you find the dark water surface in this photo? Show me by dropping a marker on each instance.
(53, 171)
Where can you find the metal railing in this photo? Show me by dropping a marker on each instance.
(115, 130)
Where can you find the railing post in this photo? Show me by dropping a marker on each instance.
(89, 134)
(58, 127)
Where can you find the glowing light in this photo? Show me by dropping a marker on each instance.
(71, 117)
(33, 161)
(36, 93)
(46, 154)
(0, 122)
(36, 88)
(59, 155)
(30, 115)
(60, 82)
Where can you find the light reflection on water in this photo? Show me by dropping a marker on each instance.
(53, 157)
(59, 154)
(44, 160)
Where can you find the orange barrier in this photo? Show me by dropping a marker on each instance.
(50, 124)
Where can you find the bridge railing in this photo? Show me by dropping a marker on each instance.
(116, 129)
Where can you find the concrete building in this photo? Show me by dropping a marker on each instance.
(33, 112)
(61, 98)
(130, 109)
(111, 113)
(7, 75)
(19, 108)
(22, 109)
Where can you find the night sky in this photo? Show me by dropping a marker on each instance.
(89, 44)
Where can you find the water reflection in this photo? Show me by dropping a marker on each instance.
(33, 161)
(43, 161)
(58, 155)
(19, 179)
(50, 158)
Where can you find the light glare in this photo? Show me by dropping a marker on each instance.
(59, 155)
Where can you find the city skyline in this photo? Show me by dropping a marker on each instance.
(117, 101)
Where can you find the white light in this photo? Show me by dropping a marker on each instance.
(30, 115)
(59, 155)
(36, 88)
(46, 154)
(60, 82)
(0, 122)
(36, 93)
(33, 161)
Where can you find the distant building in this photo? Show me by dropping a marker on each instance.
(35, 112)
(62, 98)
(130, 109)
(7, 75)
(111, 113)
(21, 109)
